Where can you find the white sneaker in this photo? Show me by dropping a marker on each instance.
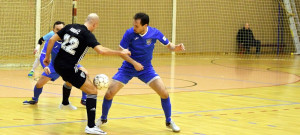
(173, 126)
(94, 130)
(69, 106)
(100, 122)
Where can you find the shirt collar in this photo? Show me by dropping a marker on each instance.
(145, 33)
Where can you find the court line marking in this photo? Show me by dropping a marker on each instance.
(176, 88)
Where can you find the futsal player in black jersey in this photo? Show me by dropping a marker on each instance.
(77, 39)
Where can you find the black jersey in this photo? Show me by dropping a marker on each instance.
(76, 41)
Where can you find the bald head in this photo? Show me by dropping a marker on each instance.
(247, 26)
(92, 18)
(92, 21)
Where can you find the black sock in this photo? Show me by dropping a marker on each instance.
(91, 102)
(66, 94)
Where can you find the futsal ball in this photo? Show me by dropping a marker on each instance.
(101, 81)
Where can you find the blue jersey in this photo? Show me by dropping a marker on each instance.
(48, 35)
(142, 46)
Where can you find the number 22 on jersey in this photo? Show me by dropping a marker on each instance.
(70, 44)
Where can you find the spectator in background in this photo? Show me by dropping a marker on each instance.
(245, 38)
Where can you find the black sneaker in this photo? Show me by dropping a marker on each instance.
(30, 102)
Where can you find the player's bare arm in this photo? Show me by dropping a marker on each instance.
(137, 66)
(106, 51)
(52, 40)
(176, 48)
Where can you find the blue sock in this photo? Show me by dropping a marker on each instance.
(166, 105)
(83, 96)
(37, 92)
(105, 108)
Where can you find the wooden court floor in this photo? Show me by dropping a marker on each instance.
(211, 96)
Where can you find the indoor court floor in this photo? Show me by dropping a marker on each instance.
(220, 95)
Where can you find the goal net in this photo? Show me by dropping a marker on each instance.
(206, 27)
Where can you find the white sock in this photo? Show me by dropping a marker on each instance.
(35, 64)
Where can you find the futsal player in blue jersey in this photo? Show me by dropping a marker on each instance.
(40, 42)
(50, 74)
(140, 40)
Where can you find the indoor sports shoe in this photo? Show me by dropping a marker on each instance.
(100, 122)
(30, 73)
(173, 126)
(94, 130)
(83, 102)
(69, 106)
(30, 102)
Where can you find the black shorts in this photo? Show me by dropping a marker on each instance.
(72, 75)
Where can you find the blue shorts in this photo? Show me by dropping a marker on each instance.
(53, 75)
(125, 74)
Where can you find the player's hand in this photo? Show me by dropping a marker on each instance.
(125, 52)
(35, 51)
(46, 61)
(179, 47)
(47, 70)
(138, 66)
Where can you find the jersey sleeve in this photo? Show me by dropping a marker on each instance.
(125, 40)
(48, 35)
(91, 40)
(162, 38)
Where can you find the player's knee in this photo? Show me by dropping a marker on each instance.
(92, 92)
(109, 95)
(164, 96)
(39, 85)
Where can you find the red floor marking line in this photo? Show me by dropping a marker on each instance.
(18, 119)
(39, 119)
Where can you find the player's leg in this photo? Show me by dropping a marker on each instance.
(114, 87)
(258, 45)
(81, 80)
(158, 86)
(83, 95)
(150, 77)
(66, 94)
(34, 66)
(119, 80)
(91, 102)
(37, 90)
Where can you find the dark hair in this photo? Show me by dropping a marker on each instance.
(58, 23)
(144, 18)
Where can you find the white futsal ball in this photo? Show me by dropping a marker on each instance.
(101, 81)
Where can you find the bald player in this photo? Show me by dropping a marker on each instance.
(77, 39)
